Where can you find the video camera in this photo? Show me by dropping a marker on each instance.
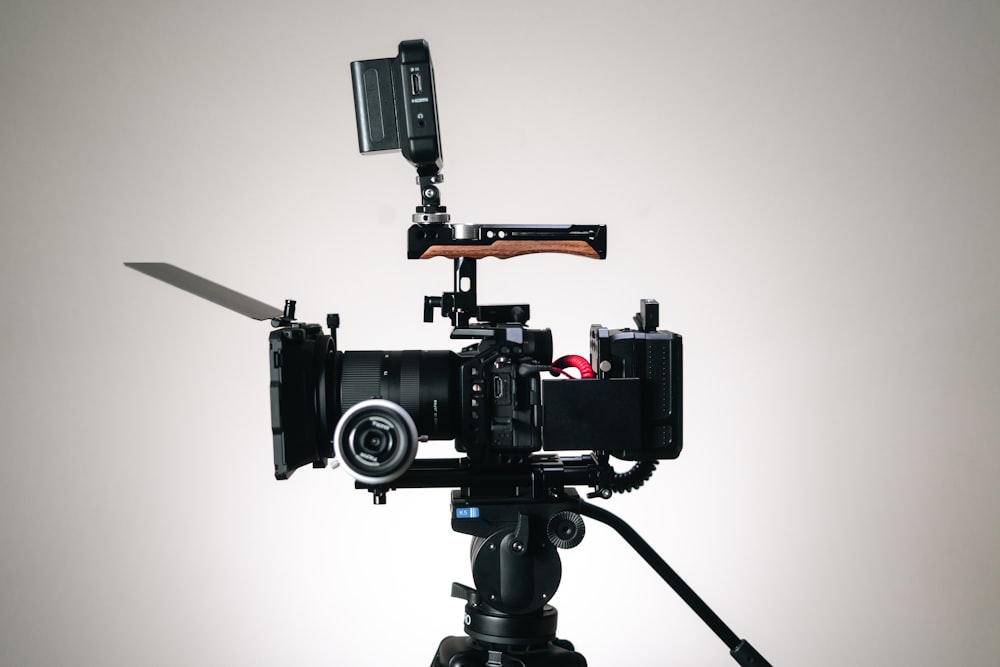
(369, 409)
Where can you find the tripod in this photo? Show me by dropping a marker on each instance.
(515, 563)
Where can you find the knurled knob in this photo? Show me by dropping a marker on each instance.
(565, 529)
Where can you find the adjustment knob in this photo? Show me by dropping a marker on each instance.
(565, 529)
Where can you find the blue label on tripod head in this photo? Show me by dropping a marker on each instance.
(466, 512)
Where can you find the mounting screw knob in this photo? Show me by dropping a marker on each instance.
(565, 529)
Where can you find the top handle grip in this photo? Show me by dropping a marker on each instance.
(456, 241)
(504, 249)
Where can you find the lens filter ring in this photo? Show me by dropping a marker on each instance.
(376, 440)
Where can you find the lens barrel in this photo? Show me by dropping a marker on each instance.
(420, 381)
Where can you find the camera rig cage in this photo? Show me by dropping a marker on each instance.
(513, 489)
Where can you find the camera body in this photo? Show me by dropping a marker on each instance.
(500, 414)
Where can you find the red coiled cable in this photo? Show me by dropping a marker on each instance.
(574, 361)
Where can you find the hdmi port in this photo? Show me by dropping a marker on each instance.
(416, 83)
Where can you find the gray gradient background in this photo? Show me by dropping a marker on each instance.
(811, 190)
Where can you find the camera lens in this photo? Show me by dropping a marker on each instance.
(422, 382)
(376, 440)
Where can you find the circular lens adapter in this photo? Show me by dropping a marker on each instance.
(376, 440)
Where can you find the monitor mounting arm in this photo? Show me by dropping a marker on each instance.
(430, 210)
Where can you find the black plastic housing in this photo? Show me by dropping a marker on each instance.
(601, 414)
(655, 359)
(303, 401)
(396, 106)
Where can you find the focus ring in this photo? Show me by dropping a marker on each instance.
(360, 377)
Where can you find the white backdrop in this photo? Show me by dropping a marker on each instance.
(811, 190)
